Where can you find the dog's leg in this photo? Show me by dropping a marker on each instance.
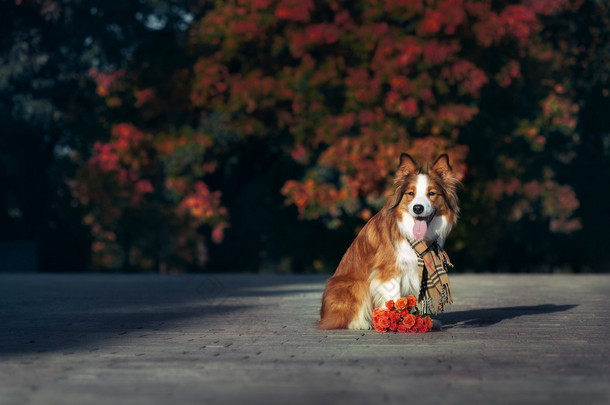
(410, 283)
(406, 261)
(382, 291)
(364, 317)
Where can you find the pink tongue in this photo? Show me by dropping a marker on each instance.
(420, 228)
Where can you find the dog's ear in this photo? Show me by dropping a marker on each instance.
(407, 166)
(442, 167)
(399, 192)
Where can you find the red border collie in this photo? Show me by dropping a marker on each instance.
(381, 265)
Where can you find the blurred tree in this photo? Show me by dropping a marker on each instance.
(585, 39)
(273, 126)
(51, 114)
(345, 87)
(551, 185)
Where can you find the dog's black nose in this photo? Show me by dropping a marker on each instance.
(418, 209)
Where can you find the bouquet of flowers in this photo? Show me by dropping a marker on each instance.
(401, 316)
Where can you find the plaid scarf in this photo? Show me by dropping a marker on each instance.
(432, 263)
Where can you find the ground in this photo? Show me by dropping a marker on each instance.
(251, 339)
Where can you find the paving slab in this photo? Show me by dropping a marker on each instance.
(251, 339)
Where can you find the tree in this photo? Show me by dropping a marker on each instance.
(346, 87)
(52, 115)
(243, 134)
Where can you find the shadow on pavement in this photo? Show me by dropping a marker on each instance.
(491, 316)
(41, 312)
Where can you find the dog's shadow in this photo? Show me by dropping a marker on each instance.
(491, 316)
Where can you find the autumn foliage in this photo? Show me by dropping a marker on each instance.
(143, 180)
(343, 88)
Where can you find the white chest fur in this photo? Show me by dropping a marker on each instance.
(406, 261)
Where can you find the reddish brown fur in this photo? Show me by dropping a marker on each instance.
(345, 291)
(374, 247)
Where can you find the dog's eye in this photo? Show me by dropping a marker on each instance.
(411, 193)
(431, 193)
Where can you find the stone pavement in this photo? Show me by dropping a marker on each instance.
(251, 339)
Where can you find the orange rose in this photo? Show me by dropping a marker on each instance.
(411, 301)
(401, 303)
(428, 322)
(379, 328)
(401, 328)
(389, 304)
(409, 320)
(404, 313)
(418, 321)
(394, 316)
(384, 320)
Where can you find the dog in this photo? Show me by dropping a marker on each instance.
(381, 264)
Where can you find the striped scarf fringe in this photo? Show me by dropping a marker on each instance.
(433, 264)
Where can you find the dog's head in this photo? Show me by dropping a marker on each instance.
(425, 194)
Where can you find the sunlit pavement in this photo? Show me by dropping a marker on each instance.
(251, 339)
